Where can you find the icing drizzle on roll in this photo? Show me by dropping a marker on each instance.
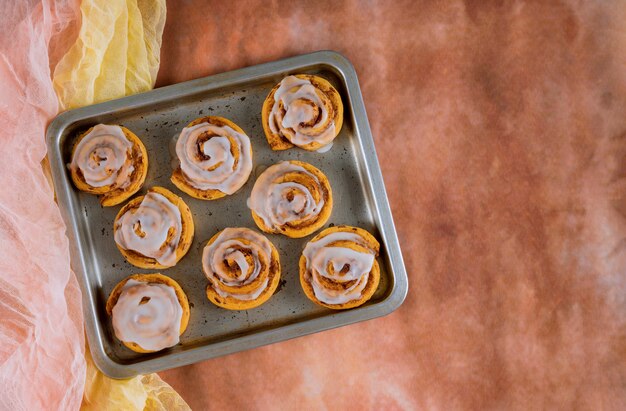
(148, 314)
(152, 229)
(301, 114)
(103, 157)
(278, 201)
(214, 157)
(329, 261)
(237, 263)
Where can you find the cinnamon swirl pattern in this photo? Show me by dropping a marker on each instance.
(215, 158)
(338, 267)
(302, 110)
(292, 198)
(243, 269)
(155, 230)
(149, 312)
(109, 161)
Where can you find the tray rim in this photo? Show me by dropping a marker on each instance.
(382, 215)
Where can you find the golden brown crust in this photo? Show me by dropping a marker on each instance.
(231, 303)
(111, 195)
(179, 179)
(276, 140)
(186, 235)
(155, 278)
(374, 275)
(299, 229)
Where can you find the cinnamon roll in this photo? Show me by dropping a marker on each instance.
(242, 267)
(302, 110)
(155, 230)
(291, 198)
(215, 158)
(149, 312)
(338, 267)
(109, 161)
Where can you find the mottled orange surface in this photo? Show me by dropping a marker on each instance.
(501, 131)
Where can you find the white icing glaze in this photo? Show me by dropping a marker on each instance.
(227, 245)
(296, 96)
(145, 229)
(325, 148)
(219, 171)
(269, 201)
(171, 145)
(321, 254)
(153, 324)
(103, 157)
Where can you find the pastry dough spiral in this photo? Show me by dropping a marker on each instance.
(155, 230)
(292, 198)
(148, 312)
(242, 267)
(302, 110)
(109, 161)
(215, 158)
(338, 267)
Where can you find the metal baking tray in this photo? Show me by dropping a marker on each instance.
(156, 116)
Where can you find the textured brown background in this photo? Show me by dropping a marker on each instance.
(501, 131)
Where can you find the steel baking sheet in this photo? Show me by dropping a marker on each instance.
(156, 117)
